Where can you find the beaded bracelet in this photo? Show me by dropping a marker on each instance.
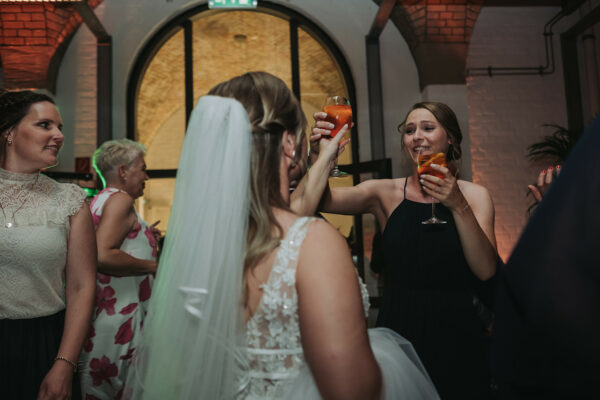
(71, 363)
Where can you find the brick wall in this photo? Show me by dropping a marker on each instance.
(506, 113)
(449, 22)
(29, 36)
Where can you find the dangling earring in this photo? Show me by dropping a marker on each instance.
(9, 140)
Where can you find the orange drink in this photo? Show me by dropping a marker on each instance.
(424, 164)
(339, 115)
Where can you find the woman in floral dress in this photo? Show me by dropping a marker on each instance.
(127, 255)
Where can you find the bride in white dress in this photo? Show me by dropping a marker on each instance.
(252, 301)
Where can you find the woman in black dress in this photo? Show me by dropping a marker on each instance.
(431, 271)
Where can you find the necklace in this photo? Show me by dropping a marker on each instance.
(9, 221)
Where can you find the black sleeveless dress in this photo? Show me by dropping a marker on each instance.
(428, 299)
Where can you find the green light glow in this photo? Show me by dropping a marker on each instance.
(91, 192)
(99, 174)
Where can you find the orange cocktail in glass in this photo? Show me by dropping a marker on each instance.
(339, 115)
(425, 161)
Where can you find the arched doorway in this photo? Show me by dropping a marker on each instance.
(200, 48)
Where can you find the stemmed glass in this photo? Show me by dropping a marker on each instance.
(424, 162)
(339, 113)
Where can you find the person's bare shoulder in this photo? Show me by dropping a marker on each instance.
(473, 191)
(321, 231)
(478, 197)
(120, 199)
(119, 205)
(323, 247)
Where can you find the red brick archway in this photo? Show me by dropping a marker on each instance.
(33, 39)
(438, 33)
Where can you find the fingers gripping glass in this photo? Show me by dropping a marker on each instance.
(339, 113)
(424, 162)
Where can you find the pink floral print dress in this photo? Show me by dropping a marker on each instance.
(121, 305)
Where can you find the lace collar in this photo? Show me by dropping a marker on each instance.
(18, 177)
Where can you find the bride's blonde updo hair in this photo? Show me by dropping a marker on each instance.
(272, 109)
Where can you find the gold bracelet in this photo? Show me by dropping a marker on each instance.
(71, 363)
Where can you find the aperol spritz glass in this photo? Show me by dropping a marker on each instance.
(339, 113)
(424, 162)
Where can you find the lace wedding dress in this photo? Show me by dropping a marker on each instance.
(277, 369)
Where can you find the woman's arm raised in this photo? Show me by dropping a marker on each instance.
(332, 320)
(118, 218)
(366, 197)
(305, 199)
(80, 290)
(360, 199)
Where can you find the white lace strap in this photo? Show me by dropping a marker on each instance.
(295, 235)
(289, 248)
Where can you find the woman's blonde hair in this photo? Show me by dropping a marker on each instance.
(113, 153)
(272, 109)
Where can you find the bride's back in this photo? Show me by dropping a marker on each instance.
(279, 332)
(273, 330)
(301, 293)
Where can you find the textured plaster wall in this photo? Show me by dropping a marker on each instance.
(76, 98)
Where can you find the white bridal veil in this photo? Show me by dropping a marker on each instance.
(194, 329)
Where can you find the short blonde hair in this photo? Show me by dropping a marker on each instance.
(113, 153)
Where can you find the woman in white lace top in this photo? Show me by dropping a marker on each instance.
(47, 255)
(259, 303)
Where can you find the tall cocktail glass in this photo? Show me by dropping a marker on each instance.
(339, 113)
(424, 162)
